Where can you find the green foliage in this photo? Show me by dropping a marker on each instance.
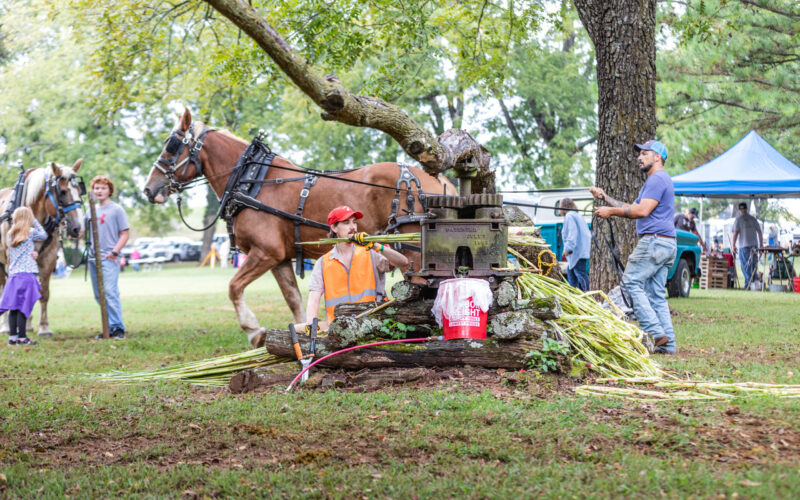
(735, 69)
(45, 87)
(395, 329)
(546, 360)
(547, 121)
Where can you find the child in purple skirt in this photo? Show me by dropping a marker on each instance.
(22, 289)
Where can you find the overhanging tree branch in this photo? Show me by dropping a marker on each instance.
(771, 8)
(338, 104)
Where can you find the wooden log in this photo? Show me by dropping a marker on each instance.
(346, 331)
(416, 312)
(248, 380)
(489, 353)
(505, 294)
(516, 324)
(406, 291)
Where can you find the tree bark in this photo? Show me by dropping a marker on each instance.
(338, 104)
(623, 33)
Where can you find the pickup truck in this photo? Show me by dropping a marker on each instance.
(550, 221)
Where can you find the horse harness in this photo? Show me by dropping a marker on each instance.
(51, 191)
(249, 175)
(175, 144)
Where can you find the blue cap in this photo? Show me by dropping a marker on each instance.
(653, 145)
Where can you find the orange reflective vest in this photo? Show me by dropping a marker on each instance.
(343, 287)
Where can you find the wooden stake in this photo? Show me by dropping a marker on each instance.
(98, 262)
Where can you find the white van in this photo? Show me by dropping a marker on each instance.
(544, 208)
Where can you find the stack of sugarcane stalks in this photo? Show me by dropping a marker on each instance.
(684, 390)
(612, 347)
(213, 372)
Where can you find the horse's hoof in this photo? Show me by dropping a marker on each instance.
(46, 333)
(259, 340)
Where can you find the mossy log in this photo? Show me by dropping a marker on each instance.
(489, 353)
(418, 312)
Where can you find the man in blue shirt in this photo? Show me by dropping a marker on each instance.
(645, 275)
(577, 244)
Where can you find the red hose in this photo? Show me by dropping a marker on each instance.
(425, 339)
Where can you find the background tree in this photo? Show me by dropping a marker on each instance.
(623, 33)
(43, 90)
(547, 122)
(735, 69)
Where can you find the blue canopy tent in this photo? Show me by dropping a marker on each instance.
(750, 169)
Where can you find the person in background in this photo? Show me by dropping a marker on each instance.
(577, 244)
(135, 256)
(645, 277)
(772, 239)
(353, 271)
(685, 222)
(113, 232)
(224, 252)
(747, 237)
(22, 290)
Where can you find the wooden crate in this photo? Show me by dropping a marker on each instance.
(714, 273)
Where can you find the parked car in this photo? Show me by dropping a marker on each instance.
(158, 249)
(547, 217)
(185, 251)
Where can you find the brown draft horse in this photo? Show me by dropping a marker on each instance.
(49, 191)
(268, 240)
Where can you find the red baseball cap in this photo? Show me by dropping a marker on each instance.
(344, 212)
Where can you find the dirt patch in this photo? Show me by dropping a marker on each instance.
(733, 437)
(121, 441)
(468, 380)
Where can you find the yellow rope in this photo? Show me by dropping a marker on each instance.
(546, 267)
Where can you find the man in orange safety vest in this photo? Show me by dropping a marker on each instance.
(353, 271)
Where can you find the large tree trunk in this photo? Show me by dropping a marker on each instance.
(450, 149)
(623, 33)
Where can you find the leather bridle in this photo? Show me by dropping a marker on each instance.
(52, 192)
(176, 143)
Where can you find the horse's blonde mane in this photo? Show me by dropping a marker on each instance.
(199, 127)
(35, 182)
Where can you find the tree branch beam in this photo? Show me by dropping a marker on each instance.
(338, 104)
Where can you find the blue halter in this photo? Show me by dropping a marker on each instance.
(61, 210)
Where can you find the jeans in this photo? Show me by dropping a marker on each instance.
(578, 277)
(645, 282)
(111, 286)
(748, 260)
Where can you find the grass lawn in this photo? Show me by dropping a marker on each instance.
(61, 435)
